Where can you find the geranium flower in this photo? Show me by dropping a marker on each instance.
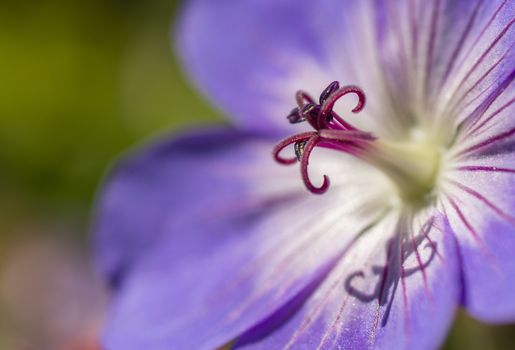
(400, 212)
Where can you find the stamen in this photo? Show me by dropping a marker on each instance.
(295, 117)
(327, 107)
(330, 130)
(328, 91)
(331, 100)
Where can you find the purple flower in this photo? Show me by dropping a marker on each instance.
(409, 208)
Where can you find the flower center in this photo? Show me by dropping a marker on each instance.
(411, 164)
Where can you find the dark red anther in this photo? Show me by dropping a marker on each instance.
(311, 113)
(295, 116)
(328, 91)
(299, 149)
(309, 108)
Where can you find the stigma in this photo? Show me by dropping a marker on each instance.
(411, 164)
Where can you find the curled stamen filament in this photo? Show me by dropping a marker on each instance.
(351, 142)
(327, 107)
(289, 141)
(329, 104)
(304, 162)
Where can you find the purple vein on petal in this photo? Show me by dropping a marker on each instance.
(336, 320)
(461, 42)
(310, 317)
(426, 229)
(455, 105)
(483, 77)
(484, 200)
(249, 270)
(474, 117)
(462, 218)
(489, 257)
(279, 271)
(487, 51)
(470, 229)
(412, 7)
(431, 44)
(339, 315)
(492, 116)
(476, 84)
(247, 273)
(488, 142)
(398, 269)
(248, 302)
(482, 57)
(266, 285)
(285, 261)
(485, 168)
(414, 246)
(375, 326)
(483, 31)
(479, 112)
(463, 297)
(404, 289)
(284, 313)
(403, 55)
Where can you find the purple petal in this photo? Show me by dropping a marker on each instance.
(483, 67)
(362, 305)
(267, 267)
(452, 51)
(174, 182)
(479, 193)
(445, 57)
(479, 200)
(490, 280)
(235, 240)
(237, 50)
(480, 203)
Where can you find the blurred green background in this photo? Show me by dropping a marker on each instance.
(82, 81)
